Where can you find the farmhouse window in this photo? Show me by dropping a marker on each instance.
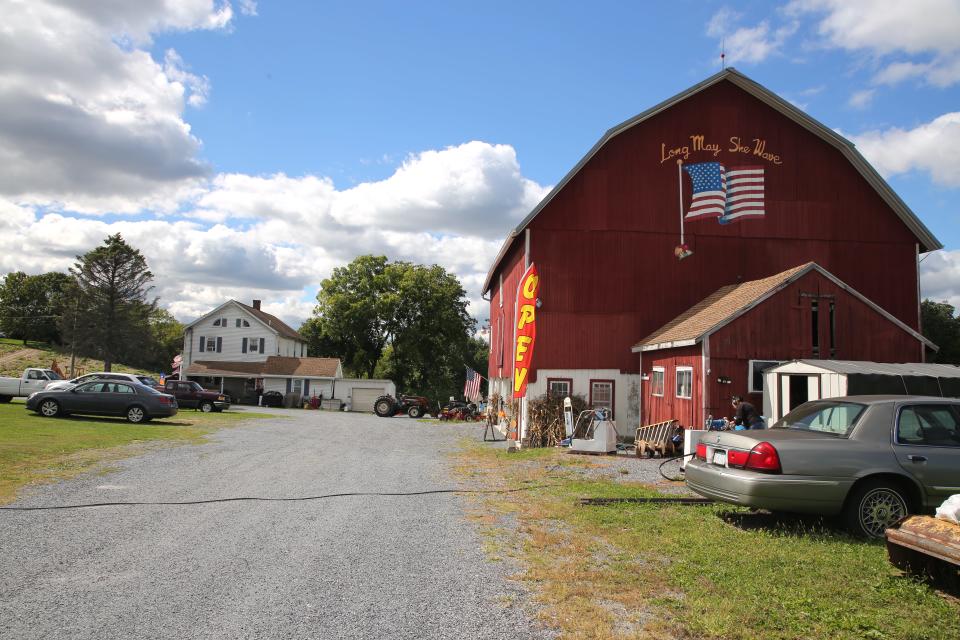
(212, 344)
(684, 382)
(656, 381)
(755, 373)
(601, 395)
(559, 387)
(253, 343)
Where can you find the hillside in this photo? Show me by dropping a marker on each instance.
(15, 357)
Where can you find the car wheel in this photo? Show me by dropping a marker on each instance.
(383, 407)
(206, 407)
(49, 408)
(136, 415)
(415, 411)
(875, 506)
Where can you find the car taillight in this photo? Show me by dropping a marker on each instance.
(701, 451)
(737, 459)
(166, 400)
(764, 458)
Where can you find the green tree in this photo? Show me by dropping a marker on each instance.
(941, 326)
(398, 320)
(31, 306)
(166, 340)
(111, 314)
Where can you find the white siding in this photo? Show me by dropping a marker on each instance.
(232, 338)
(344, 390)
(626, 391)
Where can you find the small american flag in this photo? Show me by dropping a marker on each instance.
(471, 389)
(744, 194)
(709, 190)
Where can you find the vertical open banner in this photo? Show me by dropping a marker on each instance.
(526, 329)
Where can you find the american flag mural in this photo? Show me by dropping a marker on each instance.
(709, 190)
(471, 388)
(726, 194)
(744, 194)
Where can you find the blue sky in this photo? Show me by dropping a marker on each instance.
(248, 148)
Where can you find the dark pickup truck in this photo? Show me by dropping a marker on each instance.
(191, 395)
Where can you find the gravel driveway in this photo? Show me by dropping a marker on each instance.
(349, 567)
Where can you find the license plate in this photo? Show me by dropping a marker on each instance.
(720, 458)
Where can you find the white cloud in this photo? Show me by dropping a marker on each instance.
(861, 99)
(747, 44)
(248, 7)
(891, 28)
(940, 277)
(933, 147)
(450, 207)
(88, 119)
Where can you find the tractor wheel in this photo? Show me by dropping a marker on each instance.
(415, 411)
(385, 406)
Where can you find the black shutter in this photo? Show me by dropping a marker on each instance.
(243, 347)
(262, 348)
(219, 344)
(203, 345)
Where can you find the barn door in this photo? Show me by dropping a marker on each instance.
(795, 389)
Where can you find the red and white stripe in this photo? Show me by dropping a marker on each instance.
(744, 193)
(709, 204)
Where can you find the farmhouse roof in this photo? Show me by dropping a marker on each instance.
(273, 322)
(732, 301)
(272, 367)
(927, 240)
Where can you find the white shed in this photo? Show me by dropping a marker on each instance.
(360, 393)
(789, 385)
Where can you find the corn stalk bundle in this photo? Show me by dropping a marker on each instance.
(546, 419)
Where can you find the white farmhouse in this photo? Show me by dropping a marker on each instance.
(238, 349)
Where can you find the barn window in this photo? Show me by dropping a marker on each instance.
(684, 382)
(601, 395)
(656, 381)
(559, 387)
(755, 373)
(815, 327)
(500, 340)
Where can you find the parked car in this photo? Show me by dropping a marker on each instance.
(31, 380)
(871, 459)
(191, 395)
(103, 375)
(271, 399)
(135, 401)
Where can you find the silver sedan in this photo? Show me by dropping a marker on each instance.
(871, 459)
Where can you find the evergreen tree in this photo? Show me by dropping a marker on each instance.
(111, 313)
(942, 327)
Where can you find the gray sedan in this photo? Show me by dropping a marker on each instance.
(871, 459)
(136, 402)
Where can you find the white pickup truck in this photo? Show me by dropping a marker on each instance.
(31, 380)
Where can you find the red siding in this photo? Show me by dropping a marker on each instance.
(502, 319)
(656, 409)
(604, 244)
(781, 328)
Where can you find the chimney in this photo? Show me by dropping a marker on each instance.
(256, 305)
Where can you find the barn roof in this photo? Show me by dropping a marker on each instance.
(928, 242)
(728, 303)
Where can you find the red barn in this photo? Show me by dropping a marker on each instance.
(607, 244)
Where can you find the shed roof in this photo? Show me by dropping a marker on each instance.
(926, 238)
(730, 302)
(881, 368)
(273, 366)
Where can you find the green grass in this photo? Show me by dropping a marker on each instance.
(41, 354)
(712, 571)
(35, 449)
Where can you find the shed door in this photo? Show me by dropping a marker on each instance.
(795, 389)
(362, 398)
